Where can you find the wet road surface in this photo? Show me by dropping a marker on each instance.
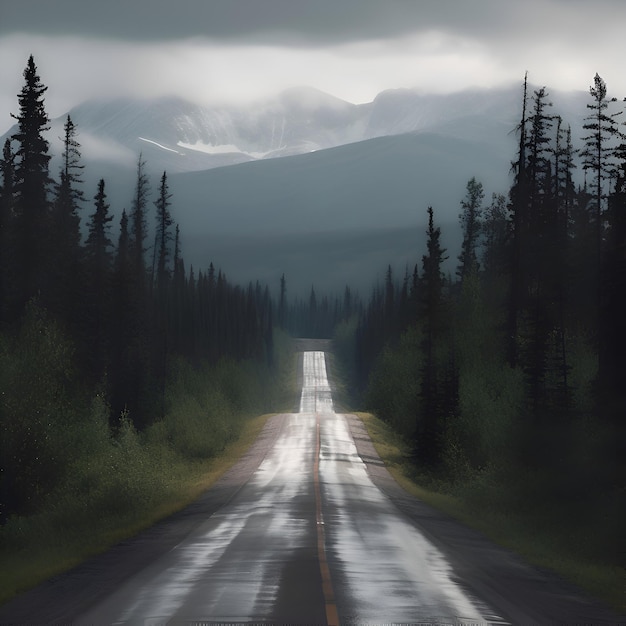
(308, 539)
(310, 529)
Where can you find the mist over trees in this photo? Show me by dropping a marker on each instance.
(123, 321)
(509, 377)
(513, 366)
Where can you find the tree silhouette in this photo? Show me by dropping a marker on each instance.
(163, 235)
(98, 264)
(65, 283)
(31, 185)
(138, 228)
(430, 426)
(599, 151)
(471, 225)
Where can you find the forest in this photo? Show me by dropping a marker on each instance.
(120, 367)
(507, 378)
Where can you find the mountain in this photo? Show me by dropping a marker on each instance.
(177, 135)
(333, 214)
(305, 182)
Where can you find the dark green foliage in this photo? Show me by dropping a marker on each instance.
(430, 426)
(7, 199)
(163, 237)
(511, 382)
(138, 223)
(65, 282)
(599, 152)
(31, 184)
(471, 225)
(98, 267)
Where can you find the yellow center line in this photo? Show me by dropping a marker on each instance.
(327, 588)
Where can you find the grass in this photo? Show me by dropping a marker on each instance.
(539, 539)
(49, 551)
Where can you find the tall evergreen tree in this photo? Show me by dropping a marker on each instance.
(163, 234)
(519, 208)
(98, 264)
(65, 255)
(31, 188)
(137, 219)
(599, 151)
(430, 427)
(98, 244)
(471, 225)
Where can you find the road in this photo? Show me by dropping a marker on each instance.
(309, 528)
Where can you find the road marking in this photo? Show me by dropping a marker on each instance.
(327, 588)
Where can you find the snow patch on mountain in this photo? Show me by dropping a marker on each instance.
(156, 143)
(222, 149)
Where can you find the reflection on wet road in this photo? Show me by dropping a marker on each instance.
(308, 539)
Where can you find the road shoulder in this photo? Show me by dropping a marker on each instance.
(62, 598)
(522, 593)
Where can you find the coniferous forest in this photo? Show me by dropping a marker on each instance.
(506, 376)
(98, 331)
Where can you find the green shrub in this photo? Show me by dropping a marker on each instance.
(39, 411)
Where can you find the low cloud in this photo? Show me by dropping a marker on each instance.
(432, 51)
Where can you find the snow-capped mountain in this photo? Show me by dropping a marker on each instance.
(349, 194)
(177, 135)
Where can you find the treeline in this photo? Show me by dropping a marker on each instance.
(315, 318)
(511, 372)
(125, 307)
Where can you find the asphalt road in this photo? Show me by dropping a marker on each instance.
(308, 528)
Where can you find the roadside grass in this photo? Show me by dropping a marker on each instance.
(535, 531)
(118, 484)
(48, 544)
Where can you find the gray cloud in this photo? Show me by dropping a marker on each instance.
(297, 22)
(233, 50)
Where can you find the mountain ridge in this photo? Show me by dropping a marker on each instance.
(422, 151)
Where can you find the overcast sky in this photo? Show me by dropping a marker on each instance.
(234, 50)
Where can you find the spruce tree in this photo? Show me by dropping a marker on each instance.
(65, 283)
(31, 186)
(519, 208)
(137, 226)
(163, 234)
(599, 151)
(98, 264)
(430, 425)
(471, 225)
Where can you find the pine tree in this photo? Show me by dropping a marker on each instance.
(137, 218)
(98, 263)
(98, 244)
(65, 282)
(599, 151)
(430, 427)
(31, 189)
(471, 225)
(163, 234)
(613, 312)
(519, 207)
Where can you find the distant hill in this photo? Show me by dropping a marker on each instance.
(340, 203)
(306, 167)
